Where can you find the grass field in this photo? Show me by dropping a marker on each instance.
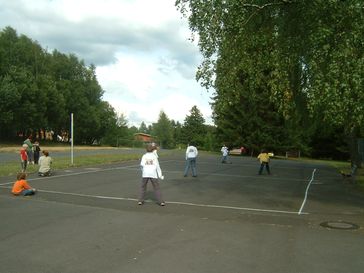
(12, 168)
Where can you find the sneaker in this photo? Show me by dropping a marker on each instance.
(140, 203)
(162, 204)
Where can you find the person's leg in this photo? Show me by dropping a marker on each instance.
(27, 192)
(267, 167)
(193, 167)
(188, 163)
(31, 157)
(28, 156)
(36, 157)
(261, 168)
(23, 164)
(143, 188)
(156, 189)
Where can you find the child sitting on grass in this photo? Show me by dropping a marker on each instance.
(21, 186)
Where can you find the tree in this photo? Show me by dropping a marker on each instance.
(143, 128)
(163, 130)
(310, 53)
(194, 129)
(40, 90)
(177, 132)
(10, 99)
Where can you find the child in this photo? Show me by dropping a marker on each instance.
(28, 142)
(21, 186)
(225, 152)
(264, 161)
(191, 155)
(151, 172)
(24, 157)
(36, 150)
(45, 162)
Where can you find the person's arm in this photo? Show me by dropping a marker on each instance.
(26, 186)
(142, 162)
(159, 171)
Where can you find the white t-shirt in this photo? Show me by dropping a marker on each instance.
(44, 164)
(224, 151)
(191, 152)
(150, 166)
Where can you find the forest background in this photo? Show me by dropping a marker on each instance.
(286, 75)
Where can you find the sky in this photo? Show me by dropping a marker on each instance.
(145, 61)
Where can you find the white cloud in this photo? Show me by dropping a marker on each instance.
(144, 61)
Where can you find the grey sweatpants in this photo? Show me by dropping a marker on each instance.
(143, 189)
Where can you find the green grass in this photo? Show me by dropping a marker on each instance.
(340, 166)
(346, 168)
(11, 169)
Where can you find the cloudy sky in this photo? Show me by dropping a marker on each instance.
(145, 62)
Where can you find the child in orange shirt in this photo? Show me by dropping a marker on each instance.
(21, 186)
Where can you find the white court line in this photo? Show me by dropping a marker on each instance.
(306, 193)
(171, 202)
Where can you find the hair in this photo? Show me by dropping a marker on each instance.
(150, 148)
(45, 152)
(21, 176)
(25, 145)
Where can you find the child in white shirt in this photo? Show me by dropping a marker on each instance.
(151, 172)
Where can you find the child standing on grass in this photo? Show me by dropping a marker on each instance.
(264, 161)
(29, 144)
(36, 150)
(24, 157)
(21, 186)
(151, 172)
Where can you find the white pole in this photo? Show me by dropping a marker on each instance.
(71, 138)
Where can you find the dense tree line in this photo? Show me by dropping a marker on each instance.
(39, 91)
(288, 74)
(172, 134)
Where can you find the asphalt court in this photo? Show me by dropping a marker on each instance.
(227, 219)
(292, 188)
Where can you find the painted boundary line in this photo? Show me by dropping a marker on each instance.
(306, 193)
(168, 202)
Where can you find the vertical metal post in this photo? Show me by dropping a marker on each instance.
(71, 138)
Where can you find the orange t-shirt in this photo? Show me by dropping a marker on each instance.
(19, 186)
